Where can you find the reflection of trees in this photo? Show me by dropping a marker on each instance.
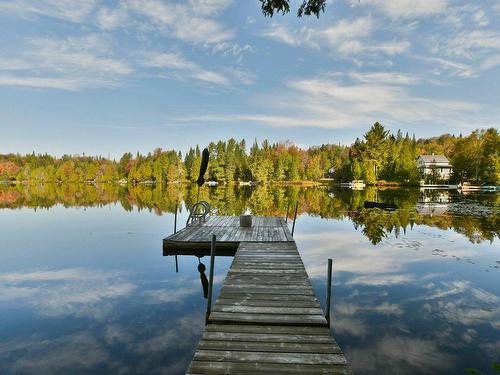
(264, 200)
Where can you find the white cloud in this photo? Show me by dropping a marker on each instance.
(281, 34)
(467, 43)
(72, 63)
(479, 48)
(185, 22)
(490, 62)
(453, 68)
(232, 49)
(178, 63)
(348, 103)
(108, 18)
(347, 37)
(352, 47)
(209, 7)
(407, 8)
(341, 33)
(480, 18)
(384, 78)
(335, 103)
(170, 60)
(68, 10)
(77, 55)
(347, 29)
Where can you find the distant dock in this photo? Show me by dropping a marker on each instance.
(267, 319)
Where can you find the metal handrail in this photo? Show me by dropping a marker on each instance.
(198, 213)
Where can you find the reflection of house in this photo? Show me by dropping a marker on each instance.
(433, 203)
(437, 166)
(432, 209)
(429, 196)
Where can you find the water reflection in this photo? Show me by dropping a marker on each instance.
(88, 291)
(403, 305)
(475, 215)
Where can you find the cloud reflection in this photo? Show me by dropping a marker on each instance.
(404, 354)
(73, 291)
(399, 303)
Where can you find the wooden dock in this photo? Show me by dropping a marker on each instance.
(195, 240)
(267, 319)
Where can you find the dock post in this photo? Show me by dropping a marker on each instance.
(295, 217)
(175, 219)
(328, 292)
(287, 209)
(211, 278)
(176, 264)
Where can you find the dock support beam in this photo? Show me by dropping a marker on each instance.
(175, 220)
(287, 210)
(175, 231)
(211, 278)
(295, 217)
(328, 292)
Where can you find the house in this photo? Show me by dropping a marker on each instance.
(437, 166)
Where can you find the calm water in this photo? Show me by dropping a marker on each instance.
(84, 287)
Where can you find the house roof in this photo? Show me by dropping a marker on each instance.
(434, 158)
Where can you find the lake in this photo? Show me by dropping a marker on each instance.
(84, 287)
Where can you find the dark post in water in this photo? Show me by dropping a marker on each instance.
(295, 216)
(175, 219)
(210, 278)
(328, 291)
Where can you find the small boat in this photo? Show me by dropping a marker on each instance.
(468, 187)
(490, 188)
(354, 184)
(383, 206)
(212, 183)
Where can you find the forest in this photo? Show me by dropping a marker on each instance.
(323, 201)
(379, 157)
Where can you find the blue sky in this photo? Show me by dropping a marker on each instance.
(112, 76)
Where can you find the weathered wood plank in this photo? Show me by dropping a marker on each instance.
(265, 290)
(267, 297)
(270, 303)
(277, 347)
(285, 358)
(278, 319)
(212, 368)
(268, 337)
(279, 330)
(267, 309)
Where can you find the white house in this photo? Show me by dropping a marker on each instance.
(438, 165)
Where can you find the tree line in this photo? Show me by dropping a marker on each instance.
(378, 157)
(325, 202)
